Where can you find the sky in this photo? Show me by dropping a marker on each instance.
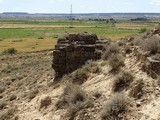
(79, 6)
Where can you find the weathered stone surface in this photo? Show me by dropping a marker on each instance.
(74, 50)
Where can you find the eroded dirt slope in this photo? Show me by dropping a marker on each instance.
(27, 79)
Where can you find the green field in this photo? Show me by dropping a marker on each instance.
(32, 36)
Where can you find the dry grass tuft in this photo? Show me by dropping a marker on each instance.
(2, 105)
(45, 102)
(158, 81)
(137, 90)
(111, 50)
(2, 89)
(97, 94)
(32, 94)
(91, 67)
(79, 76)
(116, 62)
(123, 81)
(115, 108)
(8, 114)
(152, 45)
(73, 98)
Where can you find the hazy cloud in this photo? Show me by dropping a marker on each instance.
(155, 2)
(1, 1)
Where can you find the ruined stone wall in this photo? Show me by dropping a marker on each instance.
(74, 50)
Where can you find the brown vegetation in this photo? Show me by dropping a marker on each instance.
(112, 49)
(116, 62)
(75, 99)
(122, 81)
(115, 108)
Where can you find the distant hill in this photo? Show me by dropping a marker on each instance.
(84, 15)
(15, 13)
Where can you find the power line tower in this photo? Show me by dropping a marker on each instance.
(71, 15)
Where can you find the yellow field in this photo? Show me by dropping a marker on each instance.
(28, 44)
(27, 37)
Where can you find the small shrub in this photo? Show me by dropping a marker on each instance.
(10, 51)
(122, 81)
(97, 94)
(12, 97)
(2, 89)
(152, 44)
(157, 27)
(116, 62)
(73, 98)
(45, 102)
(127, 50)
(8, 114)
(91, 67)
(74, 94)
(142, 30)
(40, 37)
(32, 94)
(137, 90)
(17, 41)
(115, 108)
(2, 105)
(79, 76)
(110, 50)
(158, 81)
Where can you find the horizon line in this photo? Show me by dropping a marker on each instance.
(85, 13)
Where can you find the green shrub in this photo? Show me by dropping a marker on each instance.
(115, 108)
(10, 51)
(122, 81)
(142, 30)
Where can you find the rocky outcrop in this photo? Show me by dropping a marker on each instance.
(74, 50)
(148, 52)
